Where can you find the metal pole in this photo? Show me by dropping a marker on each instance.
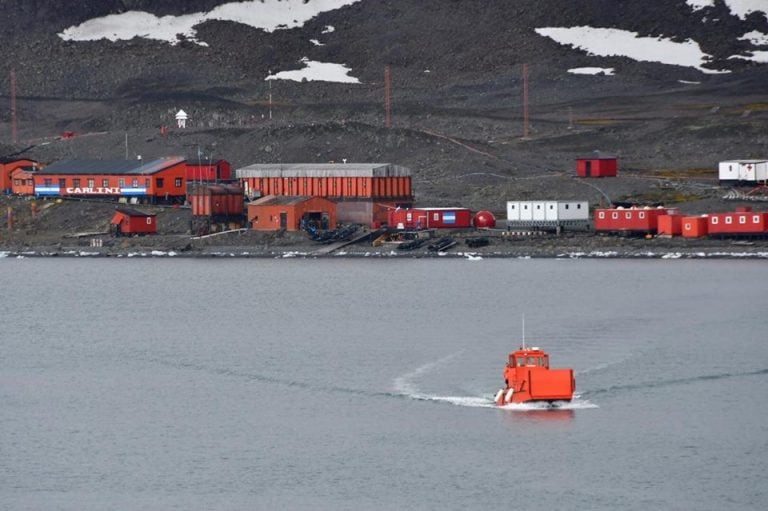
(387, 96)
(525, 100)
(14, 131)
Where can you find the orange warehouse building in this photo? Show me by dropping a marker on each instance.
(274, 213)
(346, 181)
(161, 179)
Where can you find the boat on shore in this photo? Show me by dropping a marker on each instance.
(528, 378)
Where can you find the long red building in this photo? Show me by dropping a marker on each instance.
(162, 179)
(330, 180)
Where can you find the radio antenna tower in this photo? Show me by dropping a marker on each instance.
(14, 131)
(525, 101)
(387, 96)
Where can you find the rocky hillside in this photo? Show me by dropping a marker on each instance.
(457, 92)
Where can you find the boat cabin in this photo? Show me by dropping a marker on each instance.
(533, 357)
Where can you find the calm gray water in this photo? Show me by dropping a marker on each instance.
(156, 384)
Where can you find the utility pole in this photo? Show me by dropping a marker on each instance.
(270, 96)
(14, 130)
(525, 101)
(387, 96)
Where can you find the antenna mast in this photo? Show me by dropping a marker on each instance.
(387, 96)
(14, 131)
(523, 330)
(525, 101)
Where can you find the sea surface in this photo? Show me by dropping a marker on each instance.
(341, 384)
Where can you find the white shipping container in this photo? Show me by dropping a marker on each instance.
(526, 211)
(728, 171)
(753, 170)
(539, 211)
(550, 211)
(750, 171)
(573, 210)
(513, 210)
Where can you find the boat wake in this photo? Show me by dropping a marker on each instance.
(673, 382)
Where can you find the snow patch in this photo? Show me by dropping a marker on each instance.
(268, 15)
(688, 82)
(608, 71)
(610, 42)
(317, 71)
(760, 57)
(755, 37)
(741, 8)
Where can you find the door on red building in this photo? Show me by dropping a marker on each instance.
(588, 168)
(283, 220)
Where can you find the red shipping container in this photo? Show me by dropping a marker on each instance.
(640, 220)
(694, 226)
(737, 223)
(430, 218)
(670, 225)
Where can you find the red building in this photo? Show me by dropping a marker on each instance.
(22, 182)
(597, 164)
(694, 226)
(274, 213)
(161, 180)
(637, 220)
(670, 225)
(345, 181)
(7, 166)
(429, 218)
(744, 221)
(208, 199)
(205, 170)
(133, 221)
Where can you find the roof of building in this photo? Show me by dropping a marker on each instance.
(133, 212)
(130, 167)
(597, 155)
(323, 170)
(283, 200)
(5, 159)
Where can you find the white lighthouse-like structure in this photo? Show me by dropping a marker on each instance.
(181, 119)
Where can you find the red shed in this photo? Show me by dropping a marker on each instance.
(133, 221)
(597, 164)
(273, 213)
(207, 170)
(694, 226)
(742, 222)
(639, 220)
(429, 218)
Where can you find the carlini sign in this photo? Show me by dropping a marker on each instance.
(94, 191)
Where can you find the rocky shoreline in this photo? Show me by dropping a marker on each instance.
(582, 246)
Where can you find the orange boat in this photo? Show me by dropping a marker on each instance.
(528, 378)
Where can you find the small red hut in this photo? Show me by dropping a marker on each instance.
(133, 221)
(597, 164)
